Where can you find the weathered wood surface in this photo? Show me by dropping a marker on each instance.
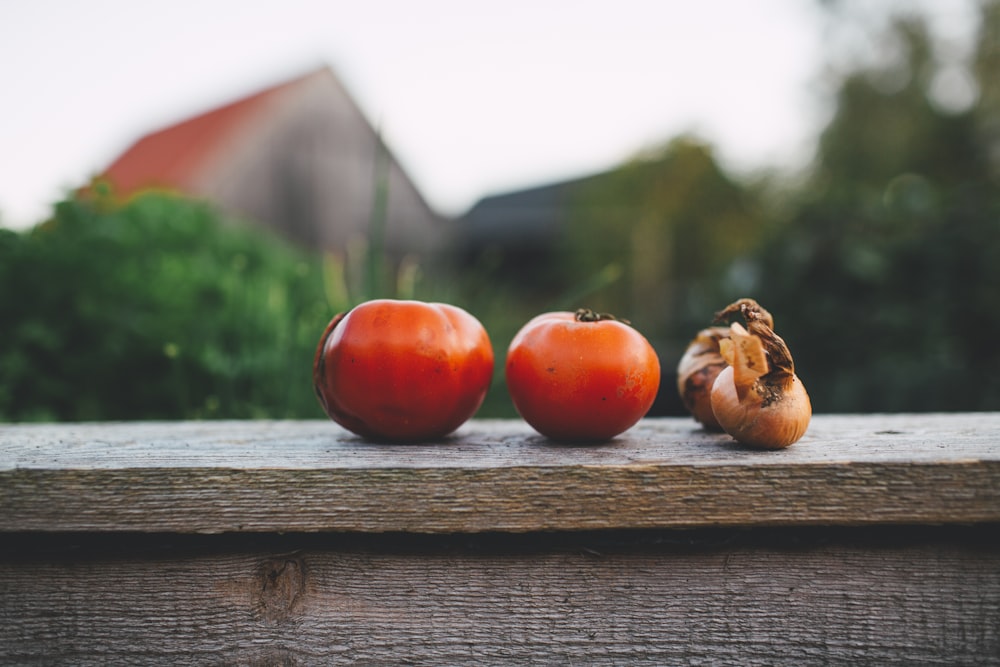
(874, 540)
(307, 476)
(885, 596)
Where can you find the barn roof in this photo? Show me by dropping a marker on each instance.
(172, 157)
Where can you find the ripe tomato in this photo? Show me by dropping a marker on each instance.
(403, 370)
(581, 376)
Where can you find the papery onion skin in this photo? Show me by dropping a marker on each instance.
(758, 399)
(696, 373)
(702, 362)
(765, 418)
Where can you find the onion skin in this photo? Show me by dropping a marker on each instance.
(702, 362)
(757, 398)
(773, 426)
(696, 373)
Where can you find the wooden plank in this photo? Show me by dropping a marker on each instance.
(788, 597)
(210, 477)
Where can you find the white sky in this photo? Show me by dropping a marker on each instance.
(474, 97)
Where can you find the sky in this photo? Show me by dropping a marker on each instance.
(473, 97)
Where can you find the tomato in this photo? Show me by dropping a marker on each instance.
(581, 376)
(403, 370)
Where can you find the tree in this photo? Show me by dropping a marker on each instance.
(884, 278)
(674, 223)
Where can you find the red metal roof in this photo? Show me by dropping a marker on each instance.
(172, 157)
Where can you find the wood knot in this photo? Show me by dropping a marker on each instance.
(281, 585)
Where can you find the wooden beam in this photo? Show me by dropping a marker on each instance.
(312, 476)
(734, 597)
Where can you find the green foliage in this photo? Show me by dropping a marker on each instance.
(882, 269)
(155, 309)
(674, 222)
(885, 278)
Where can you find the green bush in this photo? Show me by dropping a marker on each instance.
(155, 309)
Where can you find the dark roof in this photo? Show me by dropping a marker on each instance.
(521, 217)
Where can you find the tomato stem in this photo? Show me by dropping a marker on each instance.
(588, 315)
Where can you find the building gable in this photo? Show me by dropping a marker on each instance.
(299, 157)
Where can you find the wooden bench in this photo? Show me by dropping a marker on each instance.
(874, 540)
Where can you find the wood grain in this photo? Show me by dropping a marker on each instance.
(796, 598)
(218, 477)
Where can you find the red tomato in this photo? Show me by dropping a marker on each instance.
(581, 376)
(403, 370)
